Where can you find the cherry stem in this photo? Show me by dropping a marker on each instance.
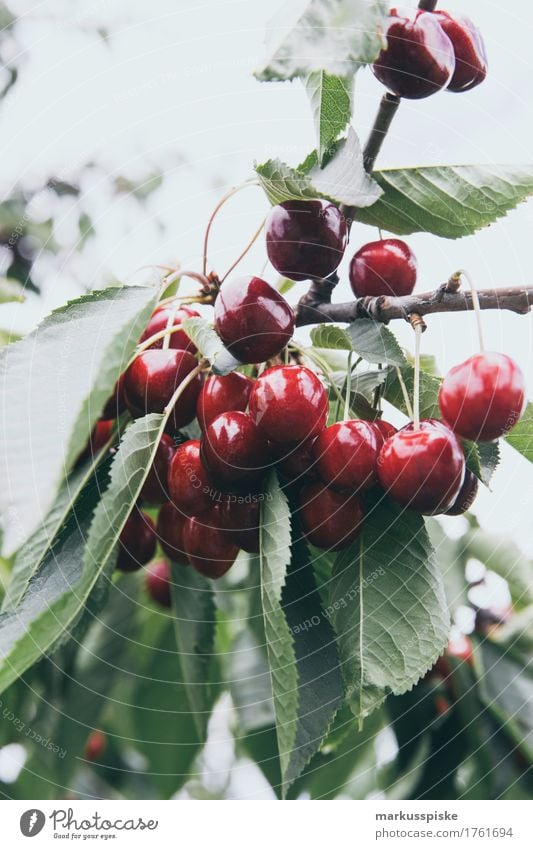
(416, 387)
(475, 303)
(219, 206)
(245, 251)
(348, 393)
(169, 326)
(180, 389)
(386, 112)
(405, 393)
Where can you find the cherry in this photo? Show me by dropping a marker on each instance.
(116, 404)
(306, 238)
(483, 398)
(385, 267)
(157, 582)
(155, 487)
(160, 320)
(137, 542)
(241, 518)
(170, 524)
(95, 746)
(347, 454)
(253, 320)
(100, 435)
(298, 462)
(384, 430)
(209, 548)
(220, 394)
(330, 519)
(190, 489)
(152, 379)
(470, 57)
(234, 451)
(422, 469)
(289, 404)
(466, 497)
(419, 59)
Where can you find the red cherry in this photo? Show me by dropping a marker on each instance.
(157, 582)
(347, 454)
(470, 57)
(386, 267)
(297, 462)
(419, 59)
(235, 451)
(253, 320)
(155, 487)
(483, 398)
(116, 404)
(99, 437)
(306, 238)
(422, 469)
(241, 519)
(384, 430)
(466, 497)
(209, 548)
(137, 542)
(95, 746)
(289, 404)
(159, 321)
(170, 524)
(152, 379)
(330, 519)
(221, 394)
(190, 488)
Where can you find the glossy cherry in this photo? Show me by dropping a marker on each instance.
(209, 547)
(191, 490)
(170, 522)
(306, 238)
(289, 404)
(347, 453)
(483, 398)
(384, 430)
(422, 468)
(116, 404)
(466, 497)
(137, 542)
(470, 56)
(152, 379)
(385, 267)
(253, 320)
(99, 437)
(95, 746)
(235, 451)
(330, 519)
(155, 487)
(221, 394)
(160, 321)
(298, 462)
(241, 519)
(157, 582)
(419, 59)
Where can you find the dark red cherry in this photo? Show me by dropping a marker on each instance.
(385, 267)
(470, 57)
(347, 454)
(330, 519)
(170, 522)
(221, 394)
(116, 404)
(422, 468)
(297, 462)
(155, 487)
(152, 379)
(157, 582)
(137, 542)
(240, 516)
(466, 497)
(384, 430)
(234, 451)
(209, 547)
(483, 398)
(160, 321)
(190, 488)
(95, 746)
(253, 320)
(305, 238)
(99, 437)
(289, 404)
(419, 59)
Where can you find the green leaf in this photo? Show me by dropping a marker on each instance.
(329, 36)
(210, 345)
(449, 201)
(429, 391)
(7, 338)
(502, 556)
(521, 436)
(388, 607)
(482, 458)
(331, 101)
(331, 336)
(11, 290)
(375, 343)
(60, 376)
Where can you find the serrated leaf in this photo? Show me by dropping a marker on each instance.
(324, 35)
(375, 343)
(482, 458)
(447, 200)
(429, 392)
(332, 337)
(60, 376)
(210, 345)
(331, 101)
(388, 607)
(10, 291)
(521, 436)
